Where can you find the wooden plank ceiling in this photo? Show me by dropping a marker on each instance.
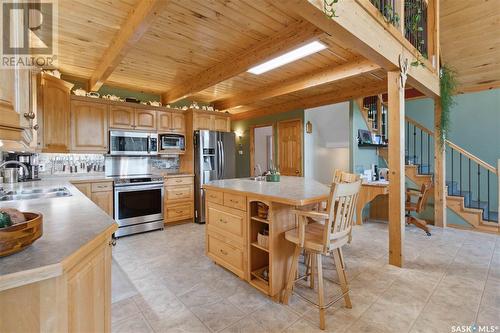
(201, 49)
(470, 42)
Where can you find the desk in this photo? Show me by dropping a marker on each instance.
(368, 192)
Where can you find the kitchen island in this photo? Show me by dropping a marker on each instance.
(236, 215)
(62, 282)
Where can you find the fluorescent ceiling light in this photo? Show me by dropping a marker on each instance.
(288, 57)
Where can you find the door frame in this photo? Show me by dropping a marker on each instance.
(301, 121)
(252, 145)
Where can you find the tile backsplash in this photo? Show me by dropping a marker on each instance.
(54, 164)
(60, 164)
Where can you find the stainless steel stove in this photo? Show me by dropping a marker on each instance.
(138, 204)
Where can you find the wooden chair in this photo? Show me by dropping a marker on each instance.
(325, 238)
(340, 176)
(417, 206)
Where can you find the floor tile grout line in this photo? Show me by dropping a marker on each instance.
(436, 286)
(485, 283)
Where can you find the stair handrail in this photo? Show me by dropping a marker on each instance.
(472, 157)
(456, 147)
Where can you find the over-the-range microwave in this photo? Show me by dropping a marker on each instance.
(172, 143)
(133, 143)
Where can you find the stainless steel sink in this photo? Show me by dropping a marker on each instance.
(36, 194)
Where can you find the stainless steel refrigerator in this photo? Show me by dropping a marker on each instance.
(214, 158)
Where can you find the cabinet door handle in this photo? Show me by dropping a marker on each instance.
(178, 181)
(223, 252)
(179, 193)
(179, 212)
(223, 221)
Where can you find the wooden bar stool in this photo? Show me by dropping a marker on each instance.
(318, 239)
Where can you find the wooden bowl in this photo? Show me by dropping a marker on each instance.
(17, 237)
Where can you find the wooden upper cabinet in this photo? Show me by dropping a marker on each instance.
(121, 117)
(164, 121)
(145, 119)
(55, 120)
(203, 121)
(89, 126)
(178, 122)
(210, 121)
(222, 124)
(171, 122)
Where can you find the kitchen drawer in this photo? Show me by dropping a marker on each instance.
(225, 254)
(179, 181)
(102, 187)
(215, 197)
(178, 212)
(227, 220)
(235, 201)
(177, 193)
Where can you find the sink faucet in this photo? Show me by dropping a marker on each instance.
(2, 165)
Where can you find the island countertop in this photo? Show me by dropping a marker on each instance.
(296, 191)
(70, 224)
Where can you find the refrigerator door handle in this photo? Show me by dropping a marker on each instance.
(218, 160)
(223, 158)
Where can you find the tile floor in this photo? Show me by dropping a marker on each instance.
(162, 282)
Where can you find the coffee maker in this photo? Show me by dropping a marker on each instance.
(31, 162)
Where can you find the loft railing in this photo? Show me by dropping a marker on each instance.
(466, 175)
(416, 22)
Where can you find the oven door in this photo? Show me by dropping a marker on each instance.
(129, 143)
(136, 204)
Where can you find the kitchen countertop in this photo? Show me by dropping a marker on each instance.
(296, 191)
(69, 224)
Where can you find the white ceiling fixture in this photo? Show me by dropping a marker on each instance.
(288, 57)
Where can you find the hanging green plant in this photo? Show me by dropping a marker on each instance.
(328, 8)
(448, 86)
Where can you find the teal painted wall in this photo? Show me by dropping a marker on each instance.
(475, 122)
(243, 126)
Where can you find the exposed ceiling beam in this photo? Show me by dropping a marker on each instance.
(309, 80)
(356, 29)
(289, 38)
(333, 97)
(136, 24)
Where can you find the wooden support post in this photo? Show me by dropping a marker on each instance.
(396, 114)
(433, 32)
(439, 171)
(400, 10)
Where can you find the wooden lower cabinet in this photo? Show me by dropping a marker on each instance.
(78, 300)
(178, 198)
(89, 293)
(101, 193)
(226, 231)
(104, 200)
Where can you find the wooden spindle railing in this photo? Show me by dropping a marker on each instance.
(415, 20)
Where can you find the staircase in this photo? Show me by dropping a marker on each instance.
(472, 184)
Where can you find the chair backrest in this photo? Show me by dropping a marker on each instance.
(424, 193)
(340, 176)
(340, 208)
